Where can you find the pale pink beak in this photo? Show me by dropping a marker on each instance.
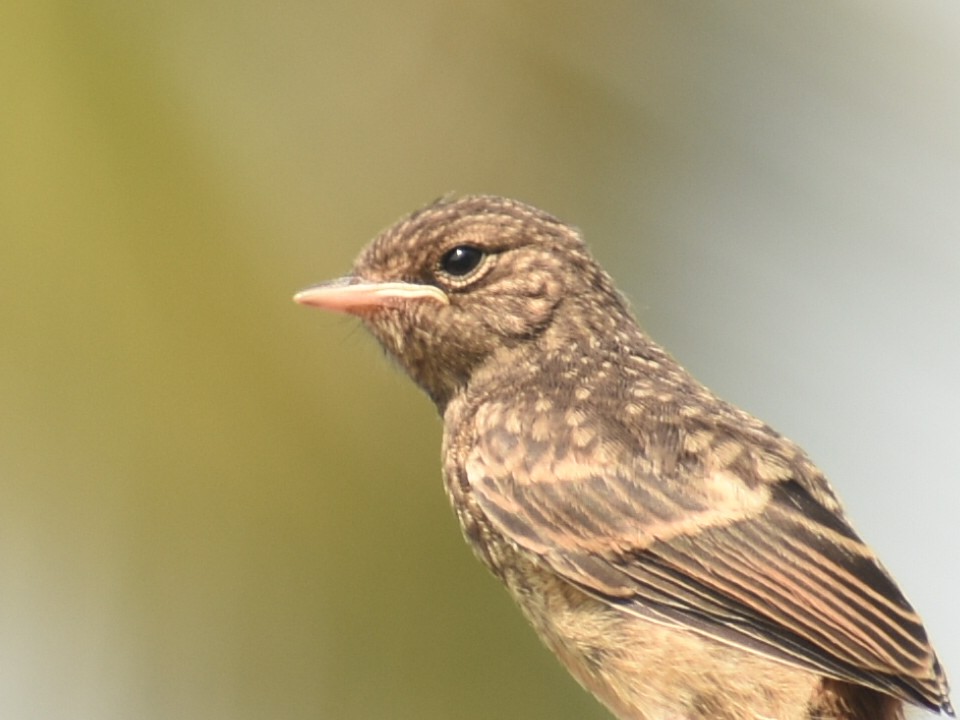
(355, 296)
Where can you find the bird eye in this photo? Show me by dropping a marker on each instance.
(461, 261)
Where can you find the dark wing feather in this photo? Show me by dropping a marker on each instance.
(702, 541)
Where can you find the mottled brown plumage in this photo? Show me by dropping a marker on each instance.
(680, 557)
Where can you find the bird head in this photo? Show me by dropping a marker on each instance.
(464, 281)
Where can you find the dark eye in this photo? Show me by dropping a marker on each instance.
(461, 261)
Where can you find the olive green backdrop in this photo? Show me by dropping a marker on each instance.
(215, 504)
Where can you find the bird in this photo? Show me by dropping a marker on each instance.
(681, 558)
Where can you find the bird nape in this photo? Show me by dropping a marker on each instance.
(681, 558)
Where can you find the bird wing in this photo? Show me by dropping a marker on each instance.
(732, 541)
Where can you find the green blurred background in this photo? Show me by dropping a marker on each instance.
(215, 504)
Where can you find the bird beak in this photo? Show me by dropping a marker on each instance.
(355, 296)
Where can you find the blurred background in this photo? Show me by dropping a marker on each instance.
(216, 504)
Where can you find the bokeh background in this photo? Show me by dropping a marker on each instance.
(215, 504)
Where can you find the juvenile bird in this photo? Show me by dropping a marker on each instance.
(682, 559)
